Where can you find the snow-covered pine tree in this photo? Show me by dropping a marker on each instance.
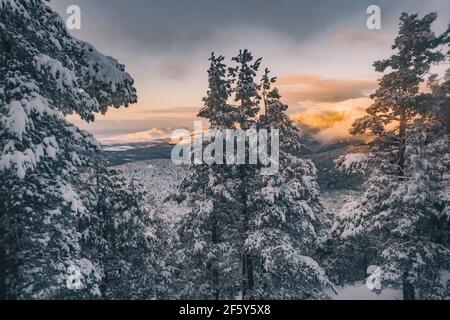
(246, 94)
(135, 269)
(246, 90)
(45, 74)
(348, 254)
(216, 109)
(346, 260)
(284, 211)
(397, 99)
(268, 96)
(206, 249)
(122, 235)
(100, 188)
(399, 210)
(207, 252)
(436, 126)
(259, 230)
(401, 218)
(437, 106)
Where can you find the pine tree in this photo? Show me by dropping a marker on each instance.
(99, 190)
(216, 107)
(45, 74)
(242, 224)
(246, 90)
(400, 217)
(135, 271)
(398, 97)
(122, 235)
(437, 102)
(207, 256)
(435, 124)
(246, 94)
(285, 212)
(397, 211)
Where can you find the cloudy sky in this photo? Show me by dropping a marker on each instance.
(321, 50)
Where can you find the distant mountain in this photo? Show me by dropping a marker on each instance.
(120, 154)
(323, 158)
(323, 155)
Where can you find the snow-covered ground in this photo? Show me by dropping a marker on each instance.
(361, 292)
(334, 200)
(161, 178)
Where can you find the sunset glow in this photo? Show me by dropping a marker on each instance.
(324, 67)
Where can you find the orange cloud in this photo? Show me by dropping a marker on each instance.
(320, 120)
(331, 121)
(305, 87)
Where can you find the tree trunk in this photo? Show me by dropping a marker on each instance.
(215, 271)
(365, 265)
(250, 272)
(247, 275)
(2, 271)
(448, 233)
(244, 276)
(447, 127)
(216, 283)
(3, 267)
(247, 263)
(402, 136)
(408, 288)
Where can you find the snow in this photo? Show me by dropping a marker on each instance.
(118, 148)
(155, 134)
(445, 276)
(161, 179)
(199, 246)
(19, 161)
(105, 69)
(353, 163)
(361, 292)
(71, 197)
(12, 3)
(64, 77)
(17, 119)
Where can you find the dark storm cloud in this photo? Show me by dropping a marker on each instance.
(162, 25)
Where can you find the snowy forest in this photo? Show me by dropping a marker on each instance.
(74, 226)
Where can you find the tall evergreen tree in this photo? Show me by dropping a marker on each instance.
(45, 74)
(246, 90)
(246, 94)
(242, 224)
(399, 211)
(207, 255)
(285, 210)
(397, 99)
(402, 219)
(216, 108)
(122, 235)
